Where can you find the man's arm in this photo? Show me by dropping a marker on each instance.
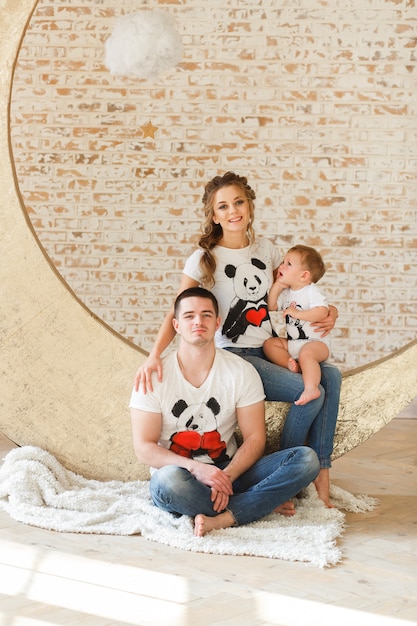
(251, 421)
(146, 430)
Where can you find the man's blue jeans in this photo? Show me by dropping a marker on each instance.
(313, 423)
(271, 481)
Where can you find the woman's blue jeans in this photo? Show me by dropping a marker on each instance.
(313, 423)
(271, 481)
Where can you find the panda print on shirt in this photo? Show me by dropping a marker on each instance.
(294, 325)
(196, 433)
(249, 307)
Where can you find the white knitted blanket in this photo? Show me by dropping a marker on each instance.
(36, 489)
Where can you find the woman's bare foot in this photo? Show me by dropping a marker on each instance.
(293, 366)
(287, 509)
(309, 394)
(203, 524)
(322, 485)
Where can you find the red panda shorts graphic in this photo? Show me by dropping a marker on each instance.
(197, 433)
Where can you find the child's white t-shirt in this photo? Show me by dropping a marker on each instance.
(304, 299)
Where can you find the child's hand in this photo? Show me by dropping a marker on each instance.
(292, 312)
(280, 282)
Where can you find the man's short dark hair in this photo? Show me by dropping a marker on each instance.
(196, 292)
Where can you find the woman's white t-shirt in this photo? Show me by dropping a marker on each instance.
(243, 278)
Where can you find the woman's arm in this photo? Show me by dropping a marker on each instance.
(165, 335)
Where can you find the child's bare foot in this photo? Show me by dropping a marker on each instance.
(309, 394)
(203, 524)
(322, 485)
(293, 366)
(287, 509)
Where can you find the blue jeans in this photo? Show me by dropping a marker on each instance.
(313, 423)
(271, 481)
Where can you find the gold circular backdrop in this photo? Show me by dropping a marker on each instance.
(312, 106)
(56, 358)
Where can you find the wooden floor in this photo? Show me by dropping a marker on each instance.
(49, 578)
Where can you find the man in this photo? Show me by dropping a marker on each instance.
(184, 429)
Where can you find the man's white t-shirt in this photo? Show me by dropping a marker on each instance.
(199, 422)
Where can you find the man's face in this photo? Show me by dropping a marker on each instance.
(196, 321)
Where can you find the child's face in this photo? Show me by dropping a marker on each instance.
(291, 270)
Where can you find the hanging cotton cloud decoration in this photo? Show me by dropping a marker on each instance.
(143, 44)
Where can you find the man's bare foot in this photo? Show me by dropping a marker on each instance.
(287, 509)
(293, 366)
(203, 524)
(309, 394)
(322, 485)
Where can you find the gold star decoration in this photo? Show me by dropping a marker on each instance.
(149, 130)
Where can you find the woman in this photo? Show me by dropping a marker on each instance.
(240, 270)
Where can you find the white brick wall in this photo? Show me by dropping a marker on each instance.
(315, 103)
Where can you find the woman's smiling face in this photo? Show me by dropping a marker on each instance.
(231, 209)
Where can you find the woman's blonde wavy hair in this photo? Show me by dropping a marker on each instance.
(211, 232)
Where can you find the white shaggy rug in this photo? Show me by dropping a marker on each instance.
(36, 489)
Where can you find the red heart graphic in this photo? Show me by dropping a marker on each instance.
(256, 316)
